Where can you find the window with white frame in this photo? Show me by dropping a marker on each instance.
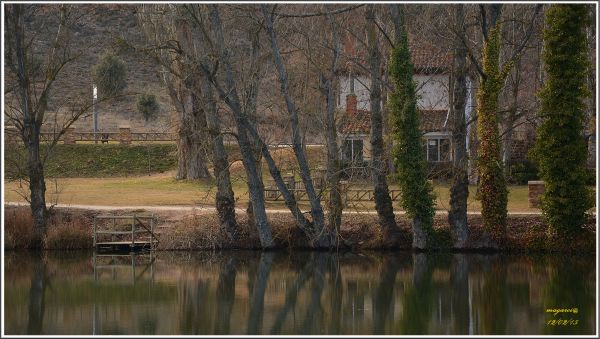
(437, 148)
(352, 150)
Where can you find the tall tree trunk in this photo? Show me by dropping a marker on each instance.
(250, 108)
(230, 96)
(494, 194)
(459, 191)
(197, 163)
(191, 146)
(383, 201)
(193, 122)
(509, 123)
(37, 184)
(315, 201)
(225, 199)
(333, 160)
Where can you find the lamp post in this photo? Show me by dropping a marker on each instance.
(95, 90)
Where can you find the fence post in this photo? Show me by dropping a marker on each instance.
(125, 135)
(69, 136)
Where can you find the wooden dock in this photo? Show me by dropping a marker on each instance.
(124, 233)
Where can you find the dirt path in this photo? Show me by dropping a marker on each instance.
(209, 209)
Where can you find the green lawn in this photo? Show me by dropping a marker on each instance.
(164, 190)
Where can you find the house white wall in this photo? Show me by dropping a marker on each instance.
(432, 90)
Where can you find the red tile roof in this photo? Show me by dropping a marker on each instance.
(356, 124)
(431, 121)
(426, 57)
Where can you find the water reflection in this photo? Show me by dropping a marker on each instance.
(297, 293)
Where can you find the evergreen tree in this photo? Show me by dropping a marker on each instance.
(110, 74)
(409, 158)
(561, 148)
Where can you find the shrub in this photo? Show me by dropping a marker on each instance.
(68, 236)
(18, 229)
(110, 75)
(147, 106)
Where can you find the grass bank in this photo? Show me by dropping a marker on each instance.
(71, 229)
(102, 160)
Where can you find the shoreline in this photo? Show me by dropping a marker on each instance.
(198, 229)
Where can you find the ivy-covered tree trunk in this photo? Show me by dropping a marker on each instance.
(459, 191)
(561, 146)
(416, 191)
(381, 192)
(493, 192)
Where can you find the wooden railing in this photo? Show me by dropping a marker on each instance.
(348, 195)
(125, 235)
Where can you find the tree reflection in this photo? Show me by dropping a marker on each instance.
(37, 291)
(337, 294)
(418, 297)
(291, 296)
(195, 307)
(225, 295)
(569, 287)
(257, 298)
(493, 304)
(383, 301)
(314, 312)
(459, 280)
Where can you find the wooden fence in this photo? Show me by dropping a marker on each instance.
(123, 136)
(351, 194)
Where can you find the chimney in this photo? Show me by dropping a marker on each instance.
(351, 104)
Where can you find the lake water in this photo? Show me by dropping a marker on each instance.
(297, 293)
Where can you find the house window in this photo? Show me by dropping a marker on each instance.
(437, 149)
(352, 150)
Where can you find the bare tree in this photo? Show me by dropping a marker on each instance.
(29, 87)
(203, 130)
(315, 201)
(160, 26)
(459, 191)
(383, 201)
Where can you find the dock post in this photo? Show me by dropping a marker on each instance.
(94, 232)
(152, 232)
(132, 233)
